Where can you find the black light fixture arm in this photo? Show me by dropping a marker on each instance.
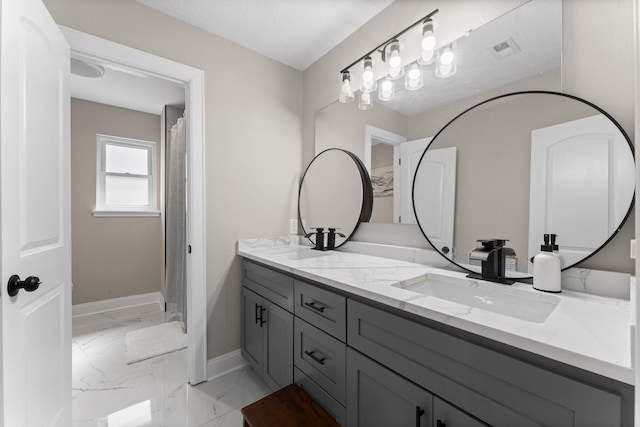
(389, 40)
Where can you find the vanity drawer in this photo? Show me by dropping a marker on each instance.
(497, 389)
(323, 309)
(332, 406)
(274, 286)
(321, 357)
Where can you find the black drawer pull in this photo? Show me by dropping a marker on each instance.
(440, 424)
(419, 414)
(314, 306)
(312, 354)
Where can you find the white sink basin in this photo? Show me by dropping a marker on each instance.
(305, 253)
(496, 298)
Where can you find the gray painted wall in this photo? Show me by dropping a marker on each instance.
(252, 107)
(111, 257)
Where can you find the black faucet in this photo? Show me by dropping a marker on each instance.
(319, 238)
(331, 238)
(493, 257)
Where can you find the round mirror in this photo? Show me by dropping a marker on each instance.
(335, 192)
(519, 166)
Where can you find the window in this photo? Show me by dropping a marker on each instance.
(126, 180)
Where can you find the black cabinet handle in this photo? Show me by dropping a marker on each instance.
(262, 319)
(314, 306)
(312, 354)
(440, 424)
(419, 414)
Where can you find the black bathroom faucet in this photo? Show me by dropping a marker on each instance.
(492, 254)
(331, 238)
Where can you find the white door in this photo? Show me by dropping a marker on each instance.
(406, 158)
(434, 196)
(582, 182)
(35, 217)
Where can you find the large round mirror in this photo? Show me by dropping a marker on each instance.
(335, 192)
(518, 166)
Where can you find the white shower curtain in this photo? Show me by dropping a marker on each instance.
(176, 225)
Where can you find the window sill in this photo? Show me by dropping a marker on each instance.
(123, 214)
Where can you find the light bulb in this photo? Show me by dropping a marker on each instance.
(346, 93)
(447, 56)
(413, 79)
(446, 65)
(428, 37)
(395, 61)
(366, 103)
(385, 93)
(367, 74)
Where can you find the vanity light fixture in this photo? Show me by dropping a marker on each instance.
(413, 79)
(369, 82)
(446, 62)
(390, 51)
(428, 43)
(346, 91)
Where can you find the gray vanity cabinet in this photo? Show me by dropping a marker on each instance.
(370, 365)
(319, 346)
(377, 396)
(267, 328)
(497, 389)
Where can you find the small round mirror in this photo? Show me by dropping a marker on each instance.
(335, 192)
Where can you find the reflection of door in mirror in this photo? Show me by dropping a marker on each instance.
(435, 201)
(408, 154)
(380, 158)
(578, 167)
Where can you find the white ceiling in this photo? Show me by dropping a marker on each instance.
(294, 32)
(126, 89)
(283, 30)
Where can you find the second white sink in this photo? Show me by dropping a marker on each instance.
(496, 298)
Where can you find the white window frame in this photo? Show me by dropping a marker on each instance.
(102, 209)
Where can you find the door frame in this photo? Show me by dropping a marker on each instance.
(92, 47)
(371, 134)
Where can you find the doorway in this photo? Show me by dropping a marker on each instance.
(93, 48)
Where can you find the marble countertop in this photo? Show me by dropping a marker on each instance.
(586, 331)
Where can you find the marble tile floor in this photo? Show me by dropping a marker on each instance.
(153, 393)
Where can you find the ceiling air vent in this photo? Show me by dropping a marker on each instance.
(505, 48)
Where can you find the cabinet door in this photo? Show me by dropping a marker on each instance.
(446, 415)
(278, 345)
(251, 329)
(377, 396)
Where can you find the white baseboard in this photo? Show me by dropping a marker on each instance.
(118, 303)
(225, 364)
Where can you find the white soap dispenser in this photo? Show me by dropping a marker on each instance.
(546, 267)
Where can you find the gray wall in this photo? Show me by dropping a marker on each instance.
(252, 138)
(597, 65)
(111, 257)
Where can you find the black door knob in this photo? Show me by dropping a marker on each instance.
(29, 284)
